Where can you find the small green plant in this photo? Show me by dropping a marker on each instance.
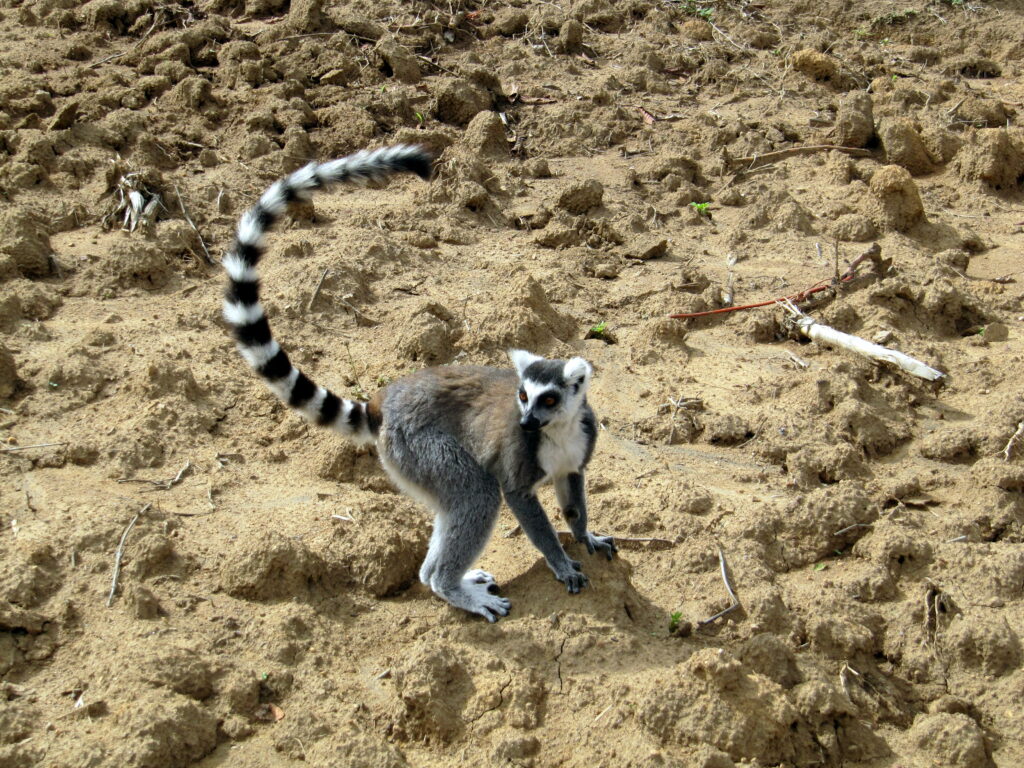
(599, 329)
(420, 119)
(820, 566)
(702, 208)
(673, 621)
(693, 8)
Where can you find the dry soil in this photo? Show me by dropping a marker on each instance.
(600, 166)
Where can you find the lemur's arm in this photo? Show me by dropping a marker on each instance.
(535, 523)
(572, 498)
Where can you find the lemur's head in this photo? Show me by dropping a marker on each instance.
(550, 391)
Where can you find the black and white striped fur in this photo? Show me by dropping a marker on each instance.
(242, 307)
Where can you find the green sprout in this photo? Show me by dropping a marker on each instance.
(673, 621)
(420, 119)
(820, 566)
(692, 8)
(701, 208)
(598, 330)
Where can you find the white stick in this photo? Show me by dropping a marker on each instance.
(826, 335)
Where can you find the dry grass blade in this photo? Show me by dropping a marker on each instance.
(161, 485)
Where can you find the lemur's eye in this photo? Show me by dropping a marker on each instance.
(549, 401)
(522, 397)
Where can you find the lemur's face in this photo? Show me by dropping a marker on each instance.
(550, 391)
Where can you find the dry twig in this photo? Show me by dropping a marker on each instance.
(120, 554)
(161, 485)
(849, 528)
(206, 254)
(316, 291)
(1013, 441)
(15, 448)
(770, 157)
(517, 530)
(827, 335)
(728, 587)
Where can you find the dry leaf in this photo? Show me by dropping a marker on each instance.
(268, 713)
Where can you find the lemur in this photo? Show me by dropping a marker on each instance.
(455, 438)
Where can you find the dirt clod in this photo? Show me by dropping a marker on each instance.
(855, 122)
(903, 146)
(951, 740)
(580, 198)
(896, 202)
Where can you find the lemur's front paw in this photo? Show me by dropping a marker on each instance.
(596, 543)
(573, 578)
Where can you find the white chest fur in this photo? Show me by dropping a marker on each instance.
(562, 449)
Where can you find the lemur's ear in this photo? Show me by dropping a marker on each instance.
(522, 360)
(577, 373)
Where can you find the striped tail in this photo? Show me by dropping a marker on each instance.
(242, 308)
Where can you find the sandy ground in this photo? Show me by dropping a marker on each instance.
(266, 611)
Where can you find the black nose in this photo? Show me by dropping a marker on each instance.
(529, 423)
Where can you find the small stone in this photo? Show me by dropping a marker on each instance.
(996, 332)
(606, 270)
(646, 248)
(65, 117)
(883, 337)
(537, 169)
(208, 158)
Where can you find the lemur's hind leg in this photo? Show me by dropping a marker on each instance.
(470, 520)
(468, 499)
(434, 554)
(434, 549)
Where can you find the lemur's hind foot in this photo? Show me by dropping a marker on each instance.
(476, 594)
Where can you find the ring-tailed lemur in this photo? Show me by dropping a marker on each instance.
(456, 438)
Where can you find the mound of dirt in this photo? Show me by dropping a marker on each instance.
(272, 567)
